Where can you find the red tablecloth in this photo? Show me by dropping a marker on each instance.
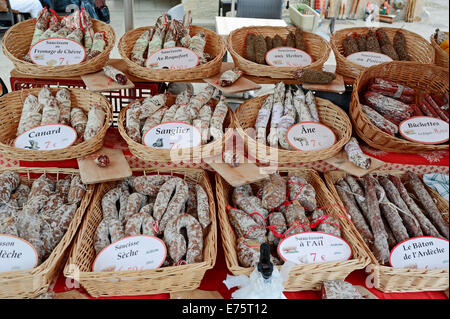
(213, 280)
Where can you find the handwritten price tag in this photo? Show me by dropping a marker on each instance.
(47, 138)
(288, 57)
(173, 135)
(16, 254)
(368, 59)
(310, 136)
(57, 51)
(132, 253)
(314, 247)
(424, 129)
(173, 59)
(421, 252)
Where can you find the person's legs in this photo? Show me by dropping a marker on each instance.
(33, 7)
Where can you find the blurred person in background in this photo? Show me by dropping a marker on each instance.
(33, 7)
(97, 9)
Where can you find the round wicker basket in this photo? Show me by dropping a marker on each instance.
(417, 47)
(215, 46)
(16, 45)
(193, 154)
(330, 115)
(441, 57)
(10, 112)
(421, 77)
(317, 47)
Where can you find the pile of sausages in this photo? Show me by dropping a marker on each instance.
(40, 214)
(283, 206)
(171, 208)
(387, 210)
(387, 104)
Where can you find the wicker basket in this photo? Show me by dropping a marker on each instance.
(388, 279)
(33, 282)
(317, 47)
(143, 282)
(11, 109)
(304, 277)
(215, 46)
(16, 45)
(330, 115)
(417, 47)
(193, 154)
(441, 57)
(422, 77)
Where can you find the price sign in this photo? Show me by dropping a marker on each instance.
(310, 136)
(314, 247)
(47, 138)
(421, 252)
(368, 59)
(57, 51)
(173, 135)
(173, 59)
(424, 129)
(288, 57)
(132, 253)
(16, 254)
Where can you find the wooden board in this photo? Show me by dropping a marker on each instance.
(341, 162)
(99, 82)
(241, 85)
(118, 168)
(245, 173)
(336, 86)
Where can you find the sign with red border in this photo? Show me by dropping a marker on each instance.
(368, 59)
(57, 52)
(16, 254)
(176, 58)
(138, 252)
(47, 138)
(314, 247)
(310, 136)
(425, 130)
(422, 253)
(172, 135)
(288, 57)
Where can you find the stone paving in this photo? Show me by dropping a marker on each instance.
(435, 15)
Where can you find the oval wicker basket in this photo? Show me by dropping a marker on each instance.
(441, 57)
(317, 47)
(417, 47)
(33, 282)
(301, 277)
(422, 77)
(389, 279)
(193, 154)
(215, 46)
(16, 45)
(330, 115)
(11, 109)
(142, 282)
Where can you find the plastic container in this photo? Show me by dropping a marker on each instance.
(307, 22)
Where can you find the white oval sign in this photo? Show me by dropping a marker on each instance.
(172, 135)
(424, 129)
(314, 247)
(310, 136)
(16, 254)
(288, 57)
(173, 59)
(368, 59)
(57, 51)
(421, 252)
(132, 253)
(47, 138)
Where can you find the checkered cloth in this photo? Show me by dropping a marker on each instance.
(438, 182)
